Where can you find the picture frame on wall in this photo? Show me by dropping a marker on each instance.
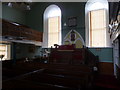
(72, 21)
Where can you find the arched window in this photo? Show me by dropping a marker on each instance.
(52, 26)
(97, 21)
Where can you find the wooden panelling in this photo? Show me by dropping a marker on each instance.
(71, 55)
(106, 68)
(10, 29)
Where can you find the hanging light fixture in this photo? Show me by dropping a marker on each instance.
(10, 4)
(28, 7)
(20, 5)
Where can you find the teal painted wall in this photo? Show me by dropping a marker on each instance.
(0, 10)
(69, 9)
(20, 51)
(34, 19)
(74, 10)
(23, 51)
(14, 15)
(105, 54)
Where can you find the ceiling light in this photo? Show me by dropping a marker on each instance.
(28, 7)
(10, 4)
(20, 5)
(16, 24)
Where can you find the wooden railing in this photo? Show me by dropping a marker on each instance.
(20, 31)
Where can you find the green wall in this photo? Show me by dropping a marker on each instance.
(14, 15)
(34, 19)
(105, 54)
(24, 51)
(0, 10)
(69, 9)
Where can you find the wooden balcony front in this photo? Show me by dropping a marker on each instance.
(20, 32)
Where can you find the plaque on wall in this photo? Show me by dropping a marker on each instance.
(72, 21)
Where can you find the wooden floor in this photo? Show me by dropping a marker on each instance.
(107, 82)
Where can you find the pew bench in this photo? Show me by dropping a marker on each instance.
(25, 84)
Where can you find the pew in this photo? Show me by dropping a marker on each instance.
(73, 71)
(10, 70)
(80, 75)
(35, 79)
(24, 84)
(87, 77)
(43, 77)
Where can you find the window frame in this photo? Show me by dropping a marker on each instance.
(45, 24)
(53, 32)
(93, 5)
(90, 28)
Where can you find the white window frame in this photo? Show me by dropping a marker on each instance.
(92, 44)
(92, 5)
(48, 14)
(53, 29)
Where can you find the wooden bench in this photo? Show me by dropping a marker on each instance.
(57, 78)
(24, 84)
(87, 76)
(55, 75)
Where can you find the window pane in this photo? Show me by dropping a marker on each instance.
(97, 28)
(53, 31)
(98, 38)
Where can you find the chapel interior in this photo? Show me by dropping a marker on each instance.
(60, 45)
